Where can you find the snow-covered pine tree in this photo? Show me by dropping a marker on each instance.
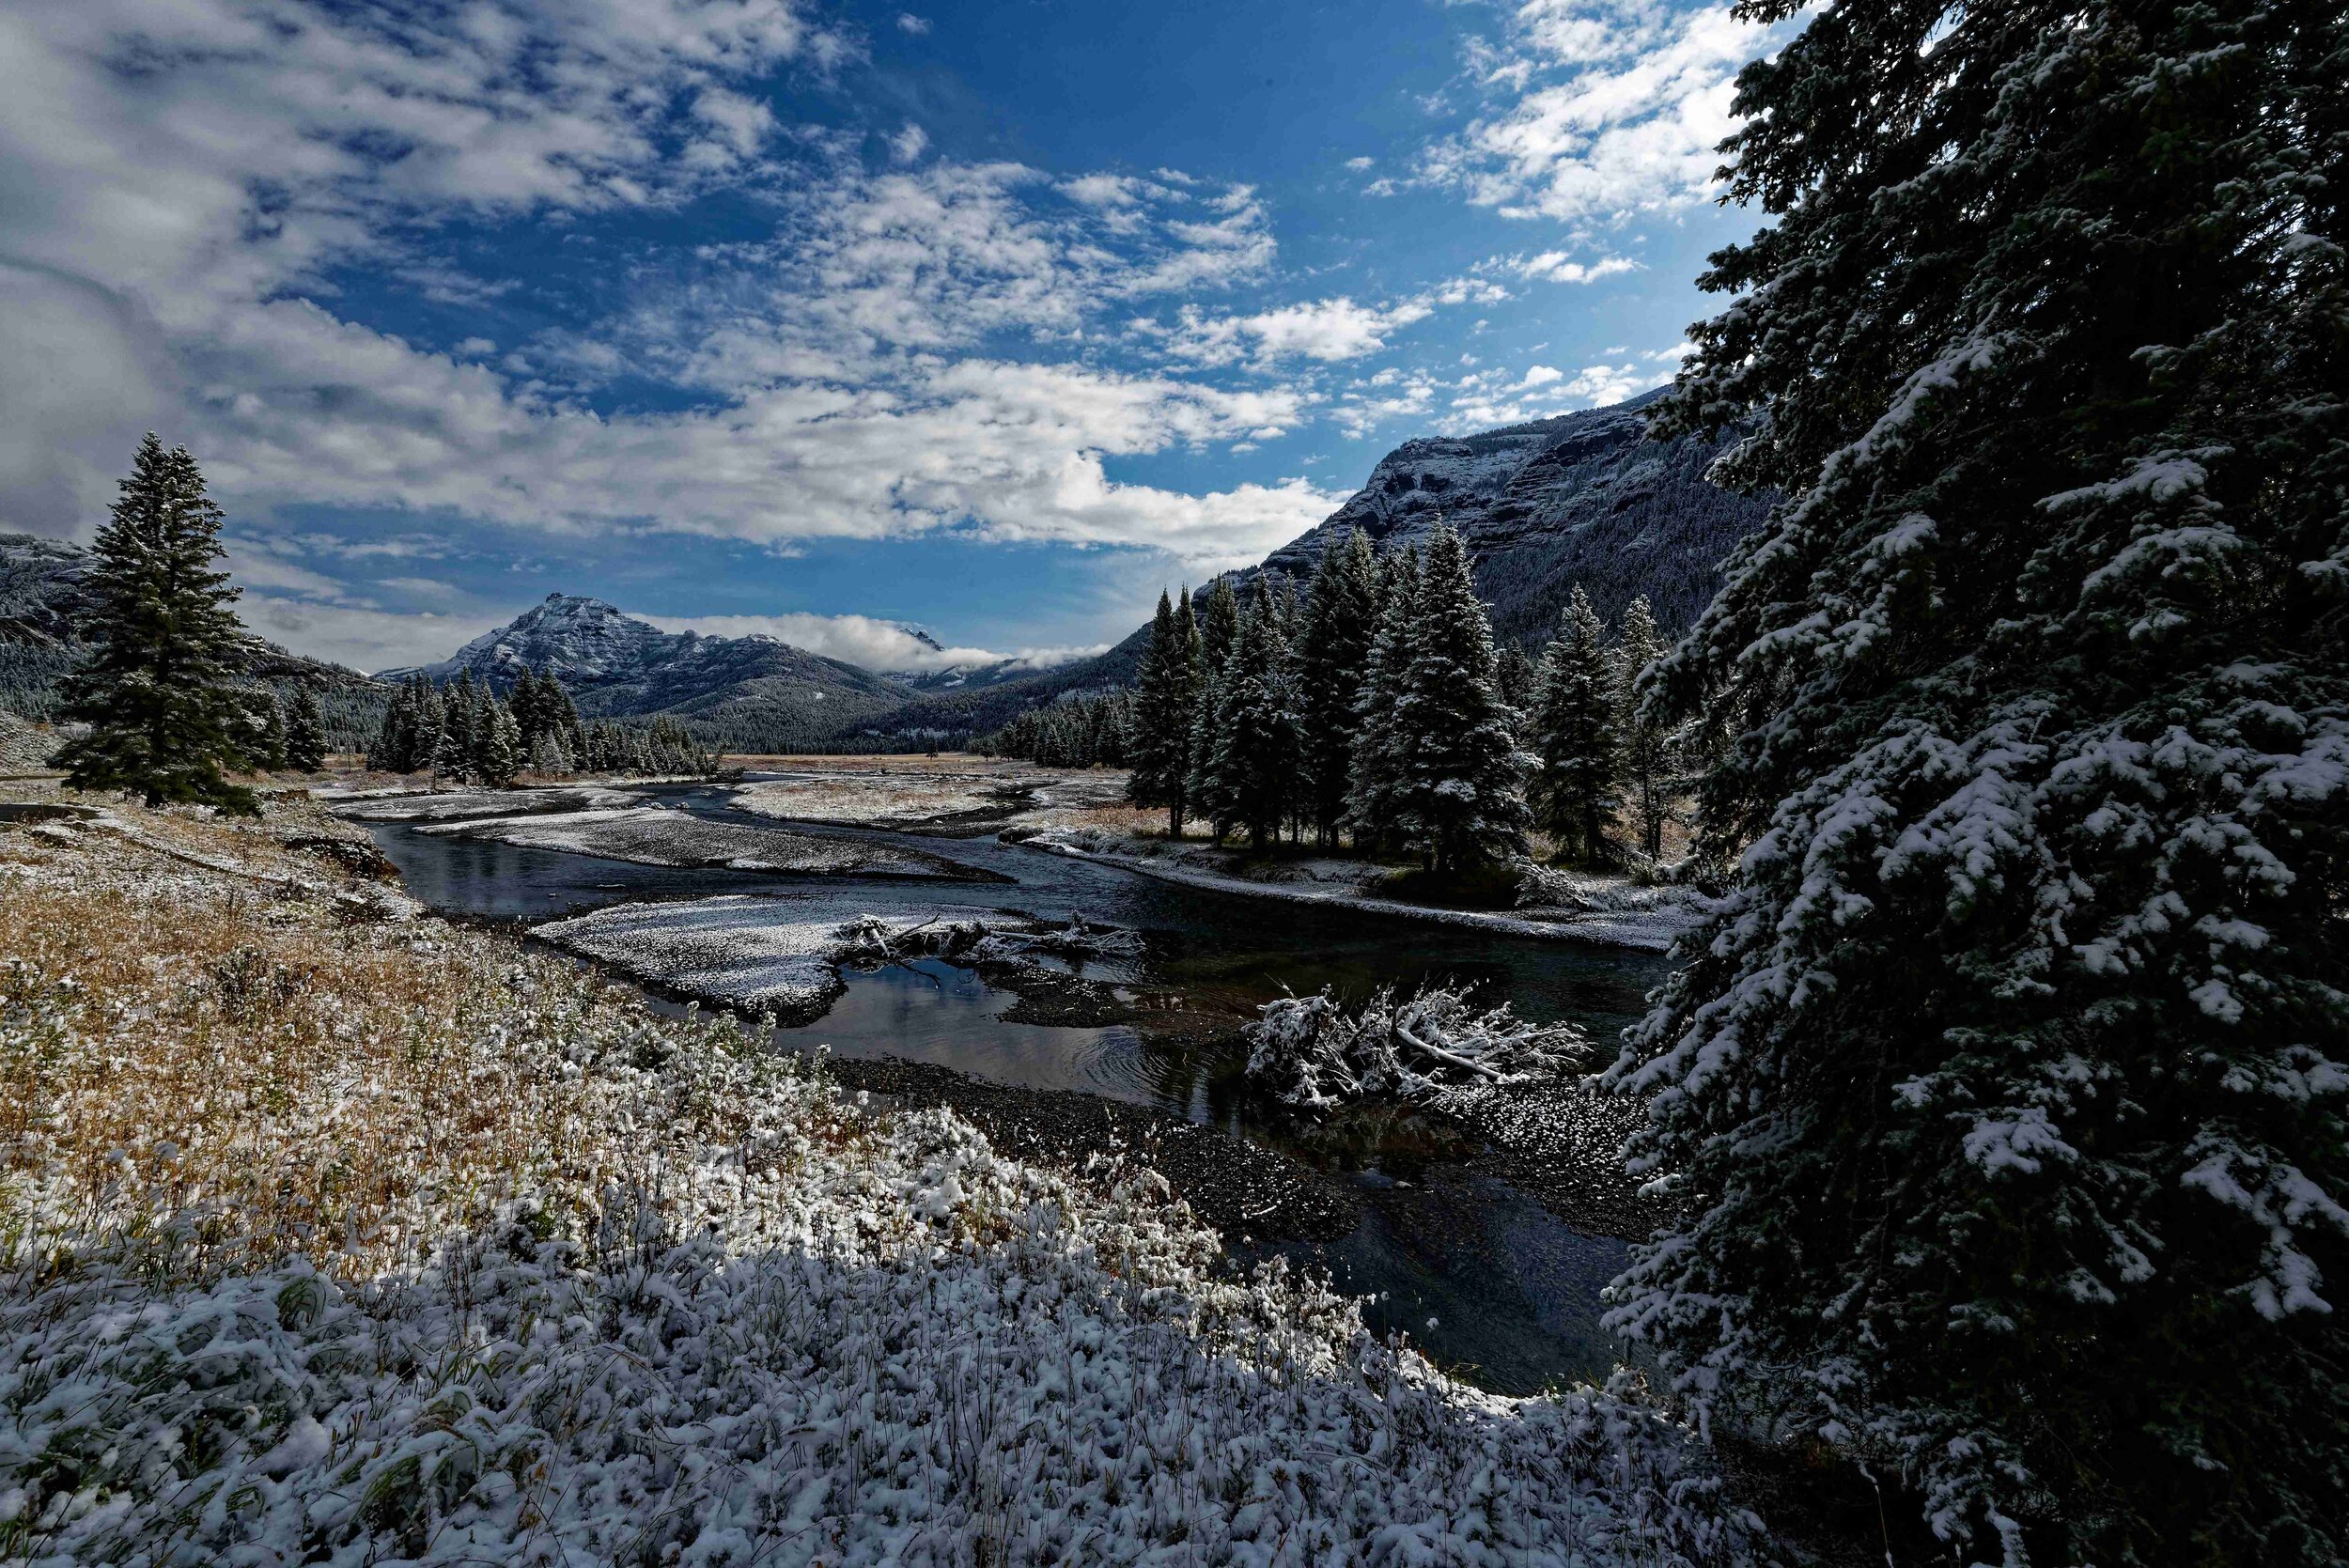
(164, 716)
(2003, 1092)
(1516, 678)
(1341, 617)
(1379, 745)
(1459, 792)
(264, 720)
(305, 733)
(1648, 768)
(1159, 744)
(1253, 778)
(1219, 629)
(498, 755)
(452, 748)
(1572, 737)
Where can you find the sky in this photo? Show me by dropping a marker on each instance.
(820, 320)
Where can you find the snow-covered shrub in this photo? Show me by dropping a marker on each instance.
(1314, 1053)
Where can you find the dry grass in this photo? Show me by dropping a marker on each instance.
(233, 1065)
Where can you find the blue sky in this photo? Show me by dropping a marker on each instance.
(811, 319)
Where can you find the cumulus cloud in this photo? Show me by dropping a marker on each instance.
(1324, 329)
(917, 25)
(165, 250)
(1608, 108)
(1555, 266)
(875, 645)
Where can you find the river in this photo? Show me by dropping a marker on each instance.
(1488, 1280)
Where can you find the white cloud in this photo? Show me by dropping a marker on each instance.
(907, 146)
(1323, 329)
(361, 639)
(1553, 267)
(1610, 108)
(917, 25)
(143, 279)
(875, 645)
(1359, 165)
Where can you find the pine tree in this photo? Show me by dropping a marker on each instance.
(1253, 774)
(2003, 1092)
(305, 733)
(1646, 767)
(499, 755)
(1219, 627)
(1380, 746)
(157, 696)
(1340, 618)
(1573, 736)
(1459, 791)
(1161, 721)
(1516, 678)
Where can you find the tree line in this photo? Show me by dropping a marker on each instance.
(463, 732)
(1375, 709)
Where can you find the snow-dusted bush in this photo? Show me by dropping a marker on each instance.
(1316, 1053)
(375, 1241)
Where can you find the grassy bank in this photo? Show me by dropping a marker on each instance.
(332, 1232)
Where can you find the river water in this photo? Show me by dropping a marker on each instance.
(1481, 1275)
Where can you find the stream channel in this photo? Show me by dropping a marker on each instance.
(1493, 1283)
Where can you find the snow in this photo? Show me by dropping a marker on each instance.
(1612, 911)
(667, 835)
(460, 804)
(708, 1312)
(731, 950)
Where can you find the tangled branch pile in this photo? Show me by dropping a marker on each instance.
(1312, 1052)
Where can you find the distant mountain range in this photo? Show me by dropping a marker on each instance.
(1581, 498)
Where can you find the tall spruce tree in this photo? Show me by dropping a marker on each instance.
(305, 733)
(166, 721)
(1159, 744)
(1341, 617)
(2003, 1093)
(1572, 735)
(1459, 791)
(1253, 776)
(1380, 746)
(1647, 764)
(1219, 629)
(1516, 678)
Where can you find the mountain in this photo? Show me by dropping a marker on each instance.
(44, 621)
(1579, 498)
(744, 693)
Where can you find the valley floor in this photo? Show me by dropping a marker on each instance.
(1084, 811)
(330, 1231)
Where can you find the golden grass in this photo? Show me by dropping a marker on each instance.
(242, 1067)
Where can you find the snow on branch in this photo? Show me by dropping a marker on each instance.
(1313, 1052)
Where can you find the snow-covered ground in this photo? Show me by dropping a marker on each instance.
(391, 1241)
(735, 950)
(1602, 910)
(453, 805)
(668, 835)
(903, 794)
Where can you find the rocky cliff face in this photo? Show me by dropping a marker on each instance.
(1582, 498)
